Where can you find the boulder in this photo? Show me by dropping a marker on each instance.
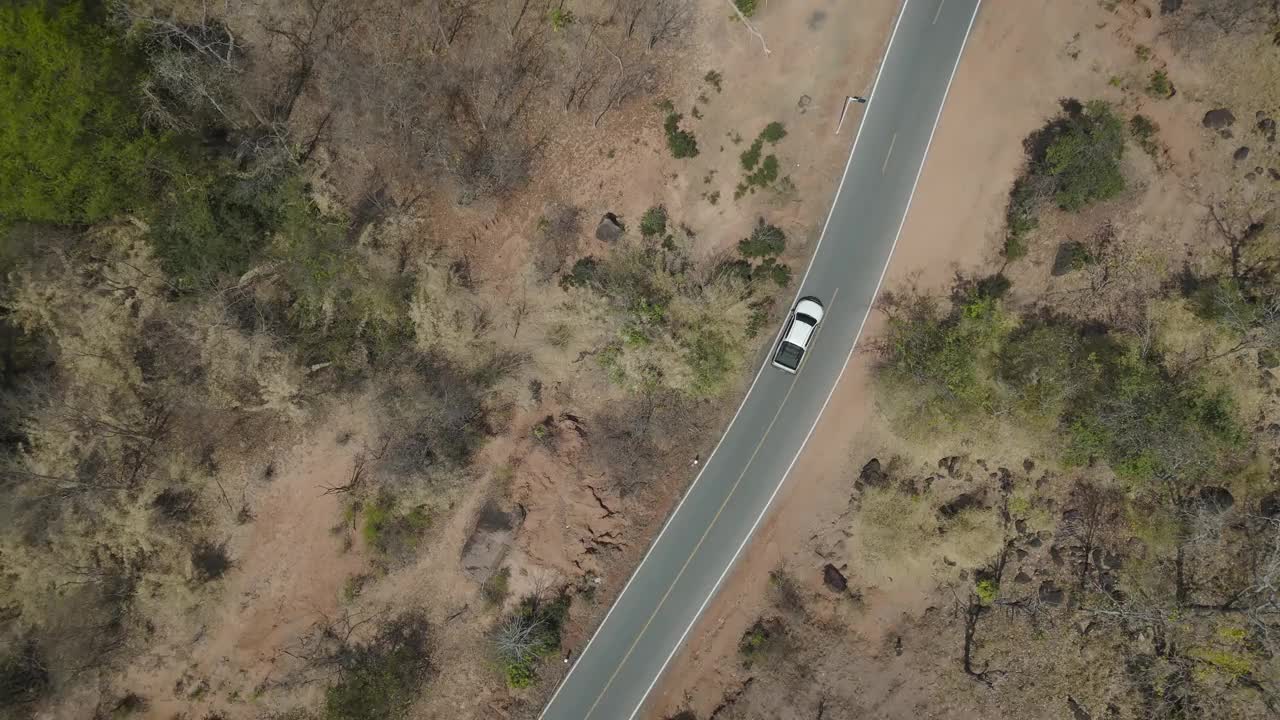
(959, 504)
(1051, 594)
(1218, 119)
(872, 474)
(609, 229)
(833, 578)
(489, 541)
(1216, 499)
(1269, 507)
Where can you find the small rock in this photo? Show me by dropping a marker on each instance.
(1021, 526)
(1051, 594)
(1022, 578)
(1216, 500)
(1267, 127)
(897, 646)
(1274, 173)
(833, 578)
(1169, 7)
(1258, 171)
(1028, 465)
(1035, 542)
(1218, 119)
(609, 229)
(1241, 153)
(1226, 134)
(949, 464)
(1055, 555)
(1250, 176)
(1022, 554)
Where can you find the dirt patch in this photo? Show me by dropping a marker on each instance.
(288, 569)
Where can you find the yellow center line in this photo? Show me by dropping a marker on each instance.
(892, 140)
(705, 533)
(935, 15)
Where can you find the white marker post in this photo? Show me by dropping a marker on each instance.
(849, 99)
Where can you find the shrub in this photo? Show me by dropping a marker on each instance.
(986, 590)
(714, 79)
(682, 143)
(746, 7)
(390, 532)
(584, 273)
(765, 241)
(760, 640)
(751, 156)
(773, 132)
(654, 221)
(209, 561)
(496, 588)
(381, 678)
(1159, 86)
(1084, 158)
(530, 633)
(24, 677)
(1021, 217)
(762, 177)
(1144, 130)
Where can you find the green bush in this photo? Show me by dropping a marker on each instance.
(654, 221)
(583, 274)
(1084, 158)
(682, 143)
(1144, 130)
(1159, 86)
(72, 145)
(1021, 217)
(529, 634)
(765, 241)
(986, 590)
(496, 588)
(751, 156)
(773, 132)
(746, 7)
(391, 532)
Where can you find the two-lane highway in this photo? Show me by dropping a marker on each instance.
(713, 522)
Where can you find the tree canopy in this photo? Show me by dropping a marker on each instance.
(73, 149)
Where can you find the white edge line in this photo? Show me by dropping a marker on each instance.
(697, 616)
(764, 364)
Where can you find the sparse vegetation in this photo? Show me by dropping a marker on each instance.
(1158, 86)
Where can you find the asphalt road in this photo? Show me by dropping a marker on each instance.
(717, 515)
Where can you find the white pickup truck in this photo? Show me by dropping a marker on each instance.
(799, 332)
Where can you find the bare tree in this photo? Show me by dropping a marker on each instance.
(451, 18)
(628, 13)
(589, 63)
(629, 79)
(667, 20)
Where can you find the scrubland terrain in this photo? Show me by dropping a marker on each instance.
(1047, 487)
(352, 352)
